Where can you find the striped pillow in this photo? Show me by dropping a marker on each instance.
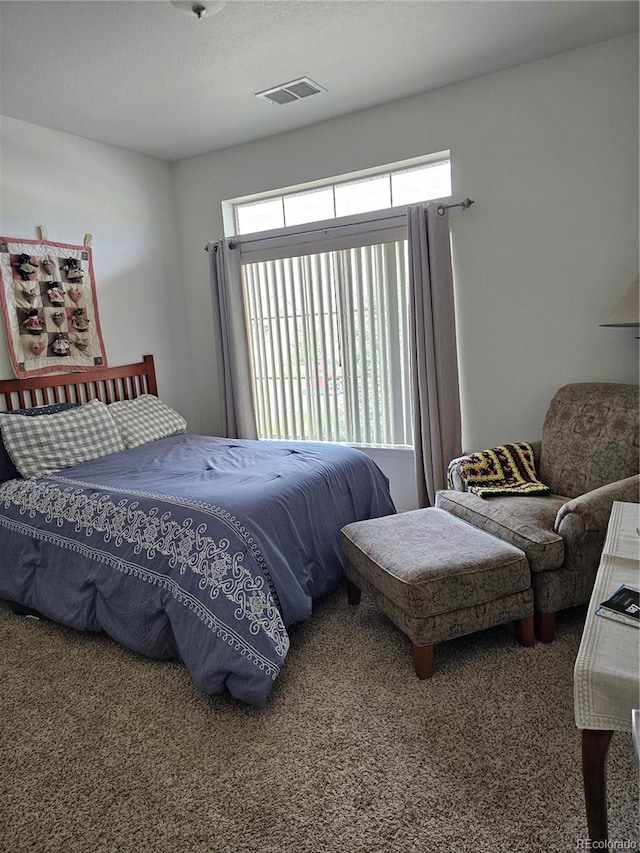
(39, 446)
(146, 419)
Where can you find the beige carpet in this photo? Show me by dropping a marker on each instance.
(102, 750)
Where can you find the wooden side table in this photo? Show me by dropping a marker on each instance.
(607, 668)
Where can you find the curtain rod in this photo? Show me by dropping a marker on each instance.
(464, 204)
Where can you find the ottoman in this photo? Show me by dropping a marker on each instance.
(437, 577)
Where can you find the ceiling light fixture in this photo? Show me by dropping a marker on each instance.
(198, 8)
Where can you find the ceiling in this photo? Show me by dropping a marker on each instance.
(140, 75)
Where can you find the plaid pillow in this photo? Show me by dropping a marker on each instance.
(8, 470)
(39, 446)
(146, 419)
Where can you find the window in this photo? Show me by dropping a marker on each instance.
(328, 328)
(393, 185)
(327, 303)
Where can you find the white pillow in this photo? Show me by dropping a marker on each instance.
(46, 443)
(146, 419)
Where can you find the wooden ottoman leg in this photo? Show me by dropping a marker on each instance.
(545, 626)
(423, 661)
(524, 631)
(353, 593)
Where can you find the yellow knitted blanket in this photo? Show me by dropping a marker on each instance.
(505, 470)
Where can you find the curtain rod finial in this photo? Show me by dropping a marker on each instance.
(465, 204)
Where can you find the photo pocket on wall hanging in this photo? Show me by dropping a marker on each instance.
(49, 306)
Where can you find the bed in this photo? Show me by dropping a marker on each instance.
(196, 548)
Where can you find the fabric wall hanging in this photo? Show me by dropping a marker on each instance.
(49, 307)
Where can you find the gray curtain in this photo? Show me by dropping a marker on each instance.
(434, 360)
(237, 410)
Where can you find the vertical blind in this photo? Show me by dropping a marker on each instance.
(329, 338)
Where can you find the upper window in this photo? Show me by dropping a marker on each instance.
(393, 185)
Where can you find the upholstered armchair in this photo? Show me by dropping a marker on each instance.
(588, 456)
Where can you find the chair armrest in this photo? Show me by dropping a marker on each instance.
(589, 513)
(454, 477)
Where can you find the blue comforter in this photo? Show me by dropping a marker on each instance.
(194, 548)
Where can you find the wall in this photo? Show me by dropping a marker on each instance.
(549, 152)
(125, 200)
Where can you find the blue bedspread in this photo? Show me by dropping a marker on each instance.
(195, 548)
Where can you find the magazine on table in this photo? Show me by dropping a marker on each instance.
(623, 606)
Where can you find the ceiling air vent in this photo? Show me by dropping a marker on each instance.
(293, 91)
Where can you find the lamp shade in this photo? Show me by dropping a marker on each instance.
(627, 311)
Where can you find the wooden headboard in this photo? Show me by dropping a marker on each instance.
(107, 384)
